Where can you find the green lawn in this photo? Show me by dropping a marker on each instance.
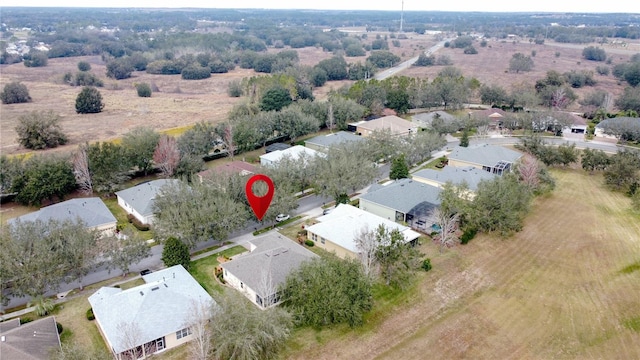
(203, 270)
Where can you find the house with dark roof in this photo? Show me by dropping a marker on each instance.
(470, 175)
(324, 142)
(91, 211)
(139, 200)
(33, 340)
(257, 274)
(152, 317)
(403, 200)
(491, 158)
(426, 119)
(337, 231)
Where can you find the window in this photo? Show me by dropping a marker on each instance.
(183, 333)
(314, 237)
(322, 240)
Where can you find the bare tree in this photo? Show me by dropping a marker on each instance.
(227, 139)
(367, 244)
(528, 169)
(131, 339)
(560, 99)
(448, 223)
(267, 290)
(80, 162)
(200, 347)
(331, 121)
(167, 156)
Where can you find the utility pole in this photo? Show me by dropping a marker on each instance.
(402, 16)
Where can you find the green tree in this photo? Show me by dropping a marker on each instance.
(629, 99)
(464, 140)
(520, 62)
(632, 73)
(593, 160)
(175, 252)
(397, 258)
(11, 172)
(241, 331)
(139, 145)
(46, 177)
(499, 205)
(327, 291)
(594, 53)
(383, 59)
(493, 95)
(35, 59)
(623, 172)
(425, 60)
(40, 130)
(399, 168)
(275, 99)
(84, 66)
(119, 69)
(108, 166)
(338, 168)
(421, 145)
(89, 101)
(292, 122)
(143, 89)
(335, 68)
(196, 72)
(15, 93)
(198, 212)
(125, 251)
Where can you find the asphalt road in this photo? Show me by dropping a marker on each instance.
(406, 64)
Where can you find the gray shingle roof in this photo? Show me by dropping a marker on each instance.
(31, 341)
(92, 211)
(142, 196)
(329, 140)
(273, 258)
(404, 195)
(161, 306)
(484, 154)
(456, 175)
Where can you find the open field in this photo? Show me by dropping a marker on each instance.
(565, 287)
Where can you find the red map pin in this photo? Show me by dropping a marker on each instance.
(259, 204)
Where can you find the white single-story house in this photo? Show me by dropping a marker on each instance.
(91, 211)
(149, 318)
(294, 152)
(426, 119)
(34, 340)
(491, 158)
(258, 273)
(139, 200)
(403, 200)
(395, 125)
(337, 230)
(456, 175)
(324, 142)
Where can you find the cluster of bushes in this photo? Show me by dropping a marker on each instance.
(15, 93)
(594, 53)
(138, 225)
(90, 315)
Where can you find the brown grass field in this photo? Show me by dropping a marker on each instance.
(556, 290)
(181, 103)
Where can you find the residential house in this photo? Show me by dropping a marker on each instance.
(492, 158)
(139, 200)
(397, 126)
(275, 147)
(227, 169)
(338, 230)
(324, 142)
(403, 200)
(426, 119)
(34, 340)
(91, 211)
(257, 274)
(456, 175)
(152, 317)
(294, 152)
(495, 116)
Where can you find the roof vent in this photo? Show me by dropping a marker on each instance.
(155, 288)
(141, 293)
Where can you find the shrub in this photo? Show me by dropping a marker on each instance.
(89, 101)
(40, 130)
(143, 89)
(468, 235)
(309, 243)
(138, 225)
(59, 327)
(85, 79)
(24, 320)
(593, 53)
(602, 70)
(235, 89)
(35, 59)
(90, 315)
(470, 50)
(196, 72)
(426, 265)
(119, 69)
(84, 66)
(15, 93)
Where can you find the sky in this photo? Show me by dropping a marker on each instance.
(590, 6)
